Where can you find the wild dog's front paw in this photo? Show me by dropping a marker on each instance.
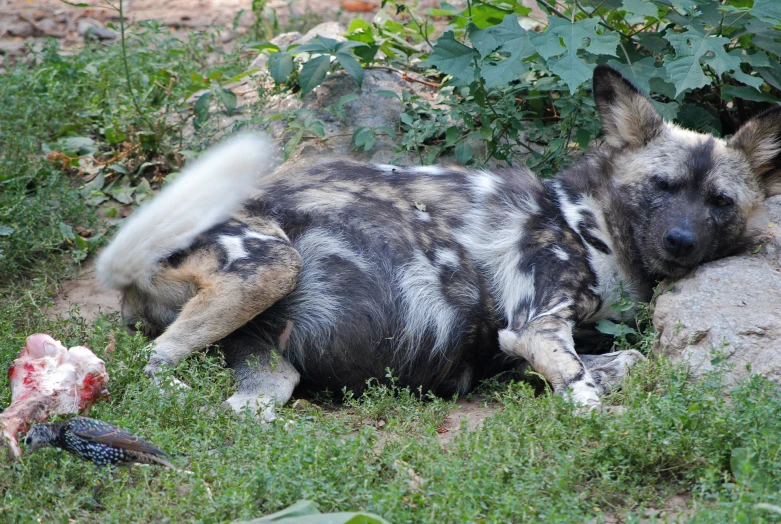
(259, 406)
(155, 370)
(613, 367)
(584, 395)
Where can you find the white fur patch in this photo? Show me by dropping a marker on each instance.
(501, 255)
(261, 237)
(233, 247)
(560, 253)
(447, 257)
(429, 170)
(485, 183)
(207, 193)
(386, 168)
(425, 307)
(314, 302)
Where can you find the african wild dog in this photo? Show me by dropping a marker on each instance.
(334, 274)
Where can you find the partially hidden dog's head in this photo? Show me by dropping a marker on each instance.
(689, 194)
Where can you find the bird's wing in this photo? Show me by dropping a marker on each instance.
(103, 433)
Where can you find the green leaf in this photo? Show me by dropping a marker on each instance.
(117, 168)
(686, 73)
(746, 93)
(669, 110)
(683, 5)
(721, 61)
(388, 93)
(319, 44)
(113, 135)
(753, 81)
(502, 72)
(608, 327)
(228, 99)
(6, 231)
(692, 116)
(364, 137)
(463, 152)
(343, 47)
(280, 65)
(78, 145)
(454, 58)
(201, 110)
(81, 242)
(768, 11)
(291, 144)
(639, 72)
(743, 463)
(350, 65)
(758, 59)
(641, 8)
(122, 191)
(260, 46)
(67, 231)
(451, 135)
(509, 35)
(548, 44)
(572, 70)
(313, 73)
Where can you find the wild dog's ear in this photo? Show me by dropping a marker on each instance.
(628, 118)
(760, 140)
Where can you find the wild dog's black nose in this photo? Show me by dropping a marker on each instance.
(679, 242)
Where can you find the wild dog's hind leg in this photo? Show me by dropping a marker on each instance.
(546, 343)
(609, 369)
(266, 378)
(236, 277)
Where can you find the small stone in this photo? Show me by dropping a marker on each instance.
(48, 26)
(90, 28)
(22, 29)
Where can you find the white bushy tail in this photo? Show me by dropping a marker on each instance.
(206, 193)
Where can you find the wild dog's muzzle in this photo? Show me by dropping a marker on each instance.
(680, 242)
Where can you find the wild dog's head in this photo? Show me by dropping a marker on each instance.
(689, 195)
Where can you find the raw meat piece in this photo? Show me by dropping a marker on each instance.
(49, 379)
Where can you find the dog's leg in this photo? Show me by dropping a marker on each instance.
(266, 378)
(226, 299)
(609, 369)
(546, 343)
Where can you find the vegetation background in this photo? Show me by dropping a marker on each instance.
(88, 132)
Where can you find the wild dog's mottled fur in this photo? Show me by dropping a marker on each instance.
(340, 272)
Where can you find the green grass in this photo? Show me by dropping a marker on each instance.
(535, 460)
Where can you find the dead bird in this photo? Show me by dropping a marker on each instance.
(96, 441)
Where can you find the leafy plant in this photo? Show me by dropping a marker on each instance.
(514, 92)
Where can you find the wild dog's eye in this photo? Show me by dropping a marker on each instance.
(722, 201)
(662, 184)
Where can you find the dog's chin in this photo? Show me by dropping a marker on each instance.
(673, 269)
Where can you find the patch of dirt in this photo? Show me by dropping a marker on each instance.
(676, 509)
(470, 415)
(85, 291)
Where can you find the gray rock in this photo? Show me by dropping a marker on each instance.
(282, 41)
(21, 29)
(333, 30)
(728, 311)
(90, 28)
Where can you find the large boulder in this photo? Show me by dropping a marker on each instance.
(728, 312)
